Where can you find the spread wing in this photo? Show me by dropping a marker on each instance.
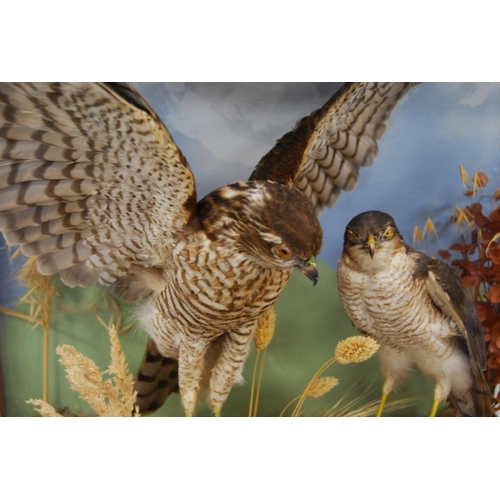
(322, 155)
(91, 182)
(449, 296)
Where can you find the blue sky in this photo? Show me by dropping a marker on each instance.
(225, 128)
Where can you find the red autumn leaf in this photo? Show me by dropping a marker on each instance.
(494, 255)
(471, 281)
(470, 266)
(470, 248)
(474, 268)
(480, 220)
(483, 179)
(495, 215)
(444, 254)
(476, 207)
(493, 294)
(492, 276)
(493, 346)
(494, 225)
(487, 315)
(496, 329)
(473, 237)
(457, 246)
(481, 270)
(492, 244)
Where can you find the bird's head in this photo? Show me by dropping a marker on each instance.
(371, 238)
(274, 224)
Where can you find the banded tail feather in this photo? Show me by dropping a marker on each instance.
(156, 380)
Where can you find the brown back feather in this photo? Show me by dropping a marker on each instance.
(323, 153)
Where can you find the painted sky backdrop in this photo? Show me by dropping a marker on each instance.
(225, 128)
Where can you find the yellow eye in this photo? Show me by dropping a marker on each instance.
(283, 252)
(350, 235)
(389, 232)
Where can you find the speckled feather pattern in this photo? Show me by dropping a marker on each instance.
(375, 301)
(92, 183)
(387, 298)
(84, 183)
(324, 152)
(218, 286)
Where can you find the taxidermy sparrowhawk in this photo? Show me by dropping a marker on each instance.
(417, 309)
(92, 183)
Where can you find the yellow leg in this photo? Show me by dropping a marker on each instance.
(382, 404)
(434, 408)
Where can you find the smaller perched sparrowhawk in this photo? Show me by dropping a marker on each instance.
(417, 309)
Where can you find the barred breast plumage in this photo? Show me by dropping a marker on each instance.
(375, 301)
(93, 185)
(211, 294)
(418, 311)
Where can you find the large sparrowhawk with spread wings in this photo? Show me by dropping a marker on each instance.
(93, 185)
(417, 309)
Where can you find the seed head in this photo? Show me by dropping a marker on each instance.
(320, 386)
(355, 349)
(265, 329)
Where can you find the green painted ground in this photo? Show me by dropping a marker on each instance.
(310, 322)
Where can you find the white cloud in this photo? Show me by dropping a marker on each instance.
(209, 121)
(236, 122)
(437, 127)
(478, 95)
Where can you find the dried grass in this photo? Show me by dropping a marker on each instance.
(39, 296)
(109, 393)
(320, 386)
(263, 336)
(354, 349)
(265, 329)
(43, 408)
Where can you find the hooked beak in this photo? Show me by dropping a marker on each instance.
(370, 245)
(310, 269)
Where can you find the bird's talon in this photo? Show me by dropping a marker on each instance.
(382, 404)
(434, 408)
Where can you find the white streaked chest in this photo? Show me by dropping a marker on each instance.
(209, 291)
(393, 306)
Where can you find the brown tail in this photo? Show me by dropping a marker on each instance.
(483, 400)
(479, 401)
(157, 378)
